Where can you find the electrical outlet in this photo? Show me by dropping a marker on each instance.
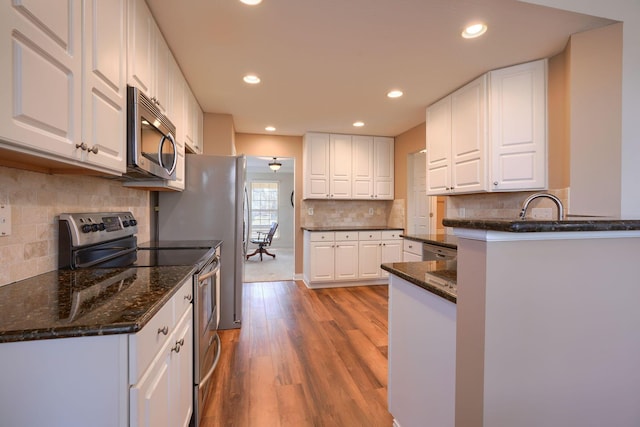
(5, 220)
(310, 211)
(370, 211)
(541, 213)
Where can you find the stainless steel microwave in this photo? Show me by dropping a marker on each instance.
(151, 144)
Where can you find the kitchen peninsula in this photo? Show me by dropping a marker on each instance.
(544, 326)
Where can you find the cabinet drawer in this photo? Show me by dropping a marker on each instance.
(346, 235)
(144, 345)
(369, 235)
(412, 247)
(322, 236)
(182, 299)
(391, 234)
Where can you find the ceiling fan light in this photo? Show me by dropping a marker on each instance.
(275, 165)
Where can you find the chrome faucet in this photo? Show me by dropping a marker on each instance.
(525, 205)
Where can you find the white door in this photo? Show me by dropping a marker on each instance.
(418, 203)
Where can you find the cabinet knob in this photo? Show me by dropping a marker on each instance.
(495, 182)
(94, 149)
(82, 146)
(164, 330)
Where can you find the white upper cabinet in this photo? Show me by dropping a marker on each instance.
(64, 92)
(518, 100)
(490, 135)
(340, 166)
(362, 171)
(315, 165)
(148, 60)
(104, 122)
(348, 167)
(383, 168)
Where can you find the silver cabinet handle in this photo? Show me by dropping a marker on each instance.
(93, 149)
(164, 330)
(188, 297)
(82, 146)
(178, 345)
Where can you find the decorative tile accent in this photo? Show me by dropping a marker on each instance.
(37, 199)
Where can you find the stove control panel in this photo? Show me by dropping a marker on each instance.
(95, 227)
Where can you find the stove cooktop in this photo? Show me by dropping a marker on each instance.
(180, 244)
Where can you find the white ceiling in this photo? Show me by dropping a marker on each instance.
(327, 63)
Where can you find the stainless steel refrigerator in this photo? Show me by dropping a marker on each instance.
(212, 206)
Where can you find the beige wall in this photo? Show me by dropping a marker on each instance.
(218, 135)
(279, 146)
(411, 141)
(595, 118)
(557, 116)
(36, 199)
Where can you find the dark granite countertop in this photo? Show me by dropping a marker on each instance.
(349, 228)
(571, 223)
(417, 273)
(74, 303)
(441, 239)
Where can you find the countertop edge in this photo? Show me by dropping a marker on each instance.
(533, 226)
(351, 228)
(429, 240)
(436, 290)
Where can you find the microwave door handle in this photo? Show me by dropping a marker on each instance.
(175, 150)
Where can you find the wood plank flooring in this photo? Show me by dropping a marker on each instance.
(304, 358)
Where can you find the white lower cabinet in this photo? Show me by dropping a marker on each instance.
(120, 380)
(344, 258)
(163, 396)
(411, 251)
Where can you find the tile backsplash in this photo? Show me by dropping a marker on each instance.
(374, 213)
(36, 199)
(499, 205)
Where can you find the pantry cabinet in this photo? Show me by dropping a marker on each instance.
(490, 135)
(64, 92)
(347, 167)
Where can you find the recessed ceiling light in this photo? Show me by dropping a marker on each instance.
(270, 129)
(251, 79)
(251, 2)
(475, 30)
(358, 124)
(394, 93)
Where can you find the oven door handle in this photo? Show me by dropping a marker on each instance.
(205, 276)
(206, 378)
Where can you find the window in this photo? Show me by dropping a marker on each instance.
(264, 206)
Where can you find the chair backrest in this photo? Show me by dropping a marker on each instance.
(272, 231)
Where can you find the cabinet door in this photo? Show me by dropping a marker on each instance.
(391, 252)
(439, 147)
(362, 170)
(518, 127)
(316, 165)
(340, 166)
(162, 83)
(41, 67)
(182, 373)
(150, 399)
(383, 168)
(322, 261)
(141, 41)
(369, 259)
(105, 84)
(468, 137)
(346, 260)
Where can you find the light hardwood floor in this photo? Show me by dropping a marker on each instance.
(304, 358)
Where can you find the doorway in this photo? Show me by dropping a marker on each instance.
(270, 199)
(424, 213)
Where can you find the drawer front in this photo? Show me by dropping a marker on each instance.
(324, 236)
(412, 247)
(369, 235)
(182, 299)
(144, 345)
(346, 235)
(391, 234)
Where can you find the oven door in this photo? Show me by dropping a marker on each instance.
(206, 318)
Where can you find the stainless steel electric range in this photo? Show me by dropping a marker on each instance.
(106, 240)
